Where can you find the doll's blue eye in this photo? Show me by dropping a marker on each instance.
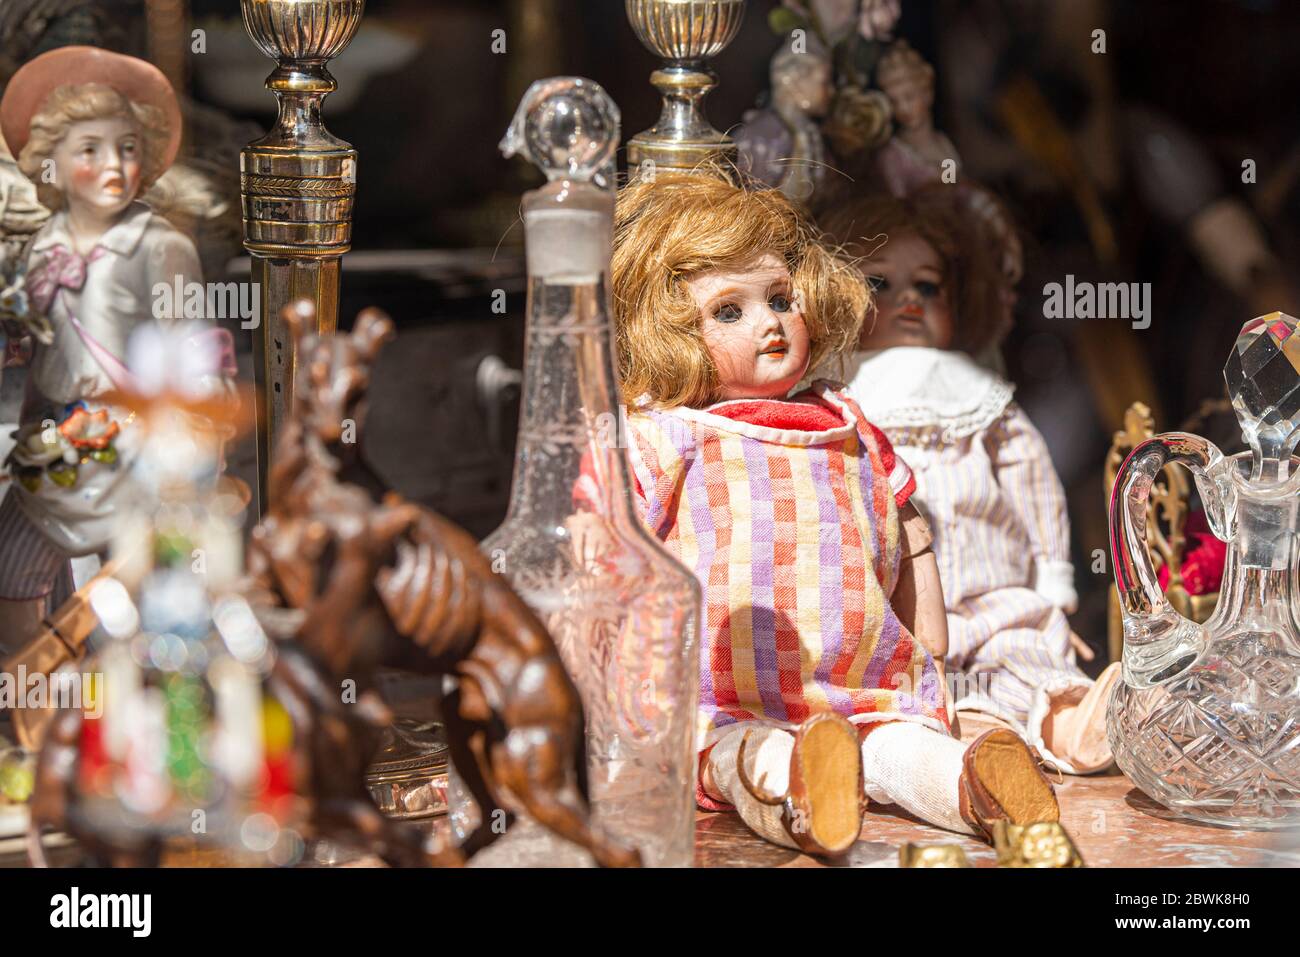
(877, 283)
(728, 313)
(927, 289)
(780, 303)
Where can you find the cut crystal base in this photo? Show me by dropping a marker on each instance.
(1221, 743)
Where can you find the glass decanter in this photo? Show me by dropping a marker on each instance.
(623, 612)
(1207, 719)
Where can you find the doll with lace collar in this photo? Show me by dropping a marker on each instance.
(823, 629)
(92, 130)
(984, 476)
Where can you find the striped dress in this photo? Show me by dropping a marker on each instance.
(787, 512)
(986, 484)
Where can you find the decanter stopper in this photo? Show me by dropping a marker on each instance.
(569, 127)
(1263, 376)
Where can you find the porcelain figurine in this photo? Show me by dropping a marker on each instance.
(918, 152)
(92, 130)
(782, 145)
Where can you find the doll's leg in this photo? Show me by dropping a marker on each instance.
(767, 763)
(963, 788)
(1074, 725)
(803, 791)
(1019, 667)
(917, 768)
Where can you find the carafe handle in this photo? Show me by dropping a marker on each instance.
(1159, 643)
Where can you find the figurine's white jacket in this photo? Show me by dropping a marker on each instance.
(137, 254)
(140, 252)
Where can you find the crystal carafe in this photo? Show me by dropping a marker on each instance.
(623, 611)
(1207, 718)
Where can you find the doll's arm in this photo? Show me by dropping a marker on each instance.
(918, 595)
(1032, 489)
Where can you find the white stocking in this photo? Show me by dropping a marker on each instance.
(917, 768)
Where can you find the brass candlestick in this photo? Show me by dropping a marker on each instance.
(298, 185)
(686, 33)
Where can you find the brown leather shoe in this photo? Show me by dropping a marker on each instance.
(1002, 780)
(822, 811)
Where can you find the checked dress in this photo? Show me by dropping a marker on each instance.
(787, 512)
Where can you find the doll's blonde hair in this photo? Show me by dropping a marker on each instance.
(678, 226)
(76, 103)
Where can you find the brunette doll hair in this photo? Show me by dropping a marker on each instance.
(977, 291)
(679, 225)
(90, 101)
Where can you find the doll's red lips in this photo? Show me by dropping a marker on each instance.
(776, 346)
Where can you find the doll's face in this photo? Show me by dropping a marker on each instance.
(912, 99)
(753, 327)
(98, 165)
(911, 297)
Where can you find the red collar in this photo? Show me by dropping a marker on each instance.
(806, 412)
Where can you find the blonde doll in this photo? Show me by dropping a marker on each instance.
(823, 627)
(984, 476)
(92, 130)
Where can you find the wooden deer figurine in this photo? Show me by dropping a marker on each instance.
(391, 584)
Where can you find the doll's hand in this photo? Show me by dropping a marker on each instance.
(1081, 647)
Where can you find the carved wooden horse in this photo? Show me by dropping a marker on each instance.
(391, 584)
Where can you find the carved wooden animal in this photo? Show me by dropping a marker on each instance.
(391, 584)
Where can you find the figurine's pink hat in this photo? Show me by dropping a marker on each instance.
(135, 79)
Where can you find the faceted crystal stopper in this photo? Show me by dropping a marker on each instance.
(569, 127)
(1263, 376)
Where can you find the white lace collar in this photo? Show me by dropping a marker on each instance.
(913, 387)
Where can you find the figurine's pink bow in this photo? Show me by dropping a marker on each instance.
(62, 268)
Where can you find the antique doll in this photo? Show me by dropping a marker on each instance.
(984, 477)
(92, 129)
(823, 626)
